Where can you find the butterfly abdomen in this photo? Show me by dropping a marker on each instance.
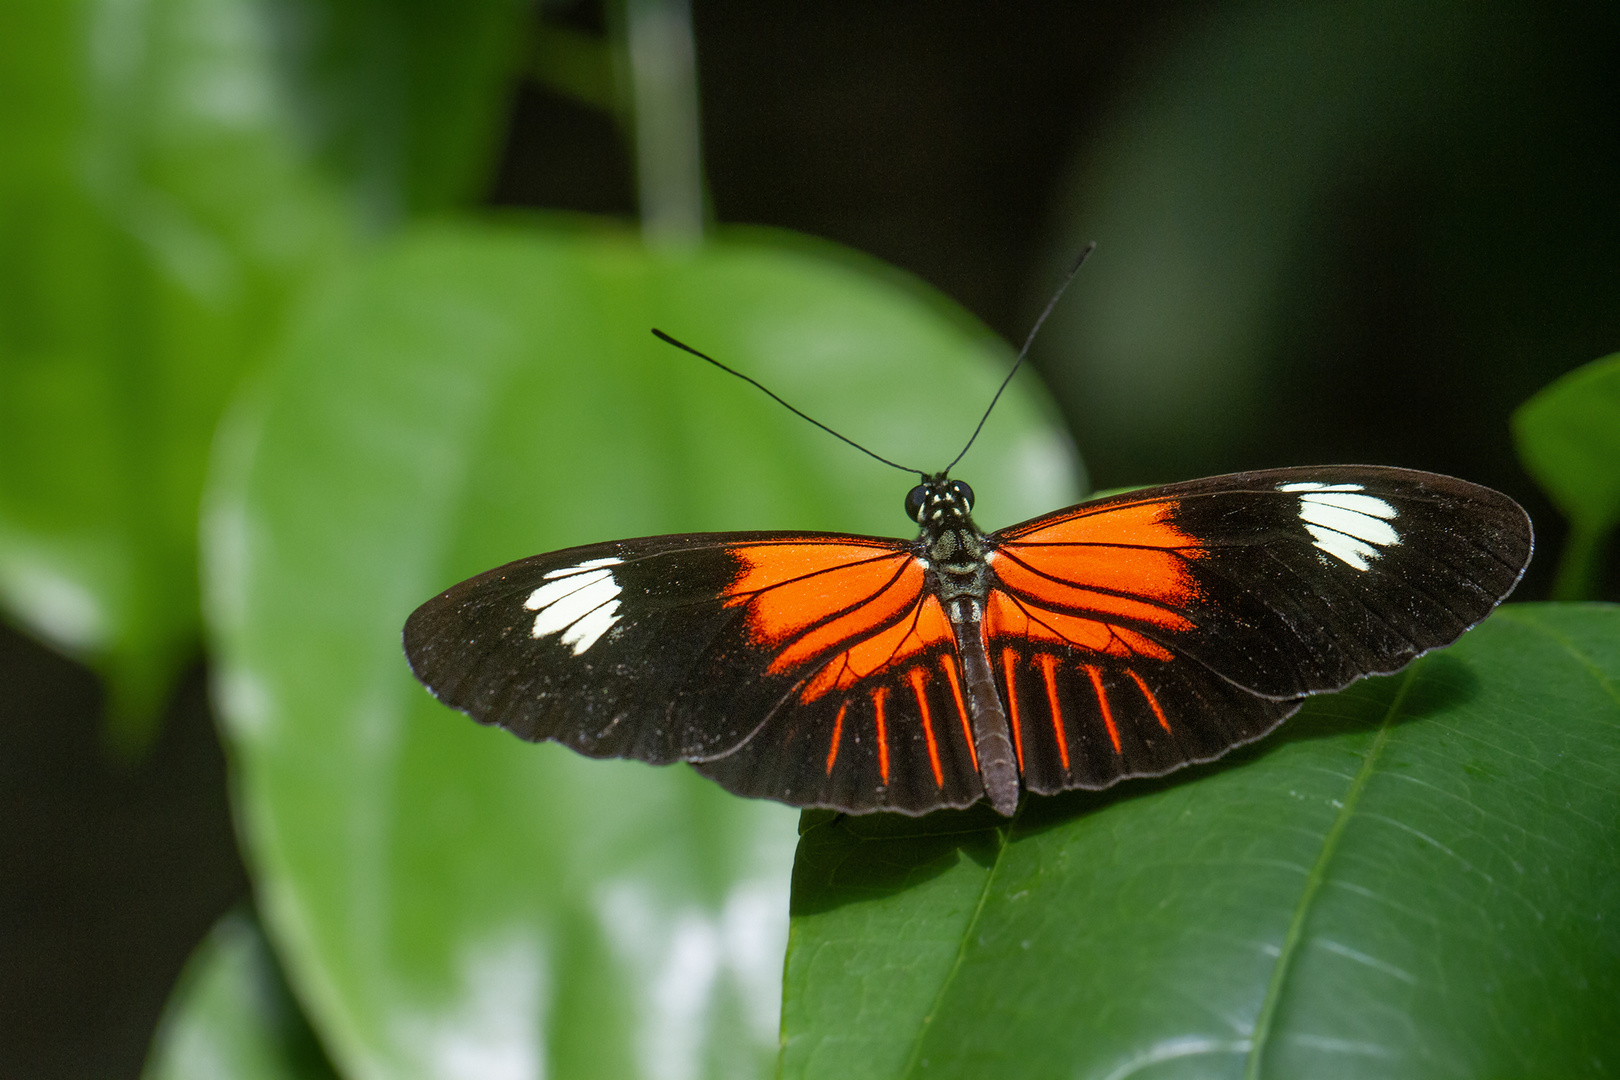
(992, 740)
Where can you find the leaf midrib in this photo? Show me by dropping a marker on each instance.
(1313, 884)
(961, 955)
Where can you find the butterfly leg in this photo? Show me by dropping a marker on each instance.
(991, 736)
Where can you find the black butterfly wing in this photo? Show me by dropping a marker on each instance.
(809, 668)
(1135, 634)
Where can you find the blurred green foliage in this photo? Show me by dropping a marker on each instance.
(233, 1015)
(1569, 438)
(1333, 230)
(175, 173)
(401, 105)
(260, 210)
(154, 219)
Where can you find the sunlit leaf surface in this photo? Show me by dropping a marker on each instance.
(1418, 877)
(450, 901)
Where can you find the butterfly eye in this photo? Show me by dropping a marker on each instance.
(963, 493)
(914, 502)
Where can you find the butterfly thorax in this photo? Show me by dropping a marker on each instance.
(950, 544)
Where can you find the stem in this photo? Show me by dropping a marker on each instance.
(1580, 563)
(664, 98)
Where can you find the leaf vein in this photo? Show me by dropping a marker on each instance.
(961, 954)
(1313, 883)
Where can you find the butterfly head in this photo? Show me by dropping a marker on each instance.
(939, 502)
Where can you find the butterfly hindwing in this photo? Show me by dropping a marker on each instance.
(1083, 720)
(897, 737)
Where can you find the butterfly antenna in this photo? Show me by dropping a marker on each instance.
(1028, 341)
(661, 336)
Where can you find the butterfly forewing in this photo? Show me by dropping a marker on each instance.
(1292, 581)
(595, 647)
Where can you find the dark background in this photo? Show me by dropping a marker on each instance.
(1467, 258)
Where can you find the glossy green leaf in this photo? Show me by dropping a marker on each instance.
(232, 1015)
(153, 215)
(1569, 440)
(451, 901)
(1418, 877)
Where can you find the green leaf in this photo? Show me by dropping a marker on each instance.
(232, 1015)
(1418, 877)
(1569, 440)
(443, 893)
(154, 213)
(405, 102)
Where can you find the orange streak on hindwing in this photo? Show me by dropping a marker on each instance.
(1048, 662)
(919, 687)
(961, 708)
(838, 731)
(1008, 661)
(882, 732)
(1102, 699)
(1153, 702)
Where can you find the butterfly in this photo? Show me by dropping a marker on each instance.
(1123, 637)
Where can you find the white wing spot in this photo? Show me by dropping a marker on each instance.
(551, 592)
(1352, 528)
(580, 602)
(1374, 530)
(584, 633)
(1370, 505)
(588, 564)
(1347, 549)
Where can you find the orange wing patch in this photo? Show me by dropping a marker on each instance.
(1006, 618)
(1128, 562)
(810, 596)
